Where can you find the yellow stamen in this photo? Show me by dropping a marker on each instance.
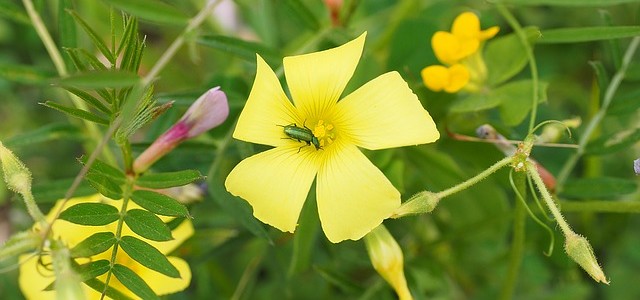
(324, 133)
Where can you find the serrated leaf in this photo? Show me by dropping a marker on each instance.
(159, 204)
(95, 244)
(95, 38)
(92, 214)
(587, 34)
(49, 132)
(154, 11)
(614, 142)
(603, 187)
(241, 48)
(89, 99)
(112, 293)
(516, 100)
(133, 282)
(100, 79)
(77, 113)
(107, 170)
(147, 225)
(168, 179)
(566, 2)
(104, 185)
(23, 74)
(148, 256)
(506, 56)
(18, 244)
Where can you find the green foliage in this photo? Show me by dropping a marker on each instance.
(116, 92)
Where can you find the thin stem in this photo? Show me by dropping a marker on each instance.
(595, 121)
(546, 196)
(532, 61)
(178, 42)
(475, 179)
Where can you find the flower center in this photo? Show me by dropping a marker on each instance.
(324, 132)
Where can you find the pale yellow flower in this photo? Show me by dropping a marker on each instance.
(35, 278)
(386, 257)
(353, 196)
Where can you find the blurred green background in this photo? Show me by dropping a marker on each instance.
(460, 251)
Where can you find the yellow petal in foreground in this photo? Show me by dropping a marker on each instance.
(317, 80)
(451, 80)
(276, 183)
(353, 195)
(266, 108)
(385, 113)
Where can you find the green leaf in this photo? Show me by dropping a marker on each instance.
(601, 76)
(154, 11)
(95, 244)
(105, 169)
(301, 12)
(241, 48)
(100, 79)
(603, 187)
(516, 100)
(23, 74)
(95, 38)
(112, 293)
(93, 269)
(92, 214)
(77, 113)
(587, 34)
(133, 282)
(474, 102)
(147, 225)
(14, 12)
(566, 2)
(506, 56)
(148, 256)
(159, 204)
(168, 179)
(614, 142)
(104, 185)
(18, 244)
(49, 192)
(66, 29)
(49, 132)
(89, 99)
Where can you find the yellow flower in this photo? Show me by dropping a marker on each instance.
(34, 278)
(353, 196)
(463, 40)
(386, 257)
(451, 79)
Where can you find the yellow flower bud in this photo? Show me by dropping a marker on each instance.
(386, 258)
(579, 249)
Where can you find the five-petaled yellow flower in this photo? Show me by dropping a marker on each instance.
(353, 196)
(34, 279)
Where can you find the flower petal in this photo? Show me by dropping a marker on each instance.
(353, 195)
(385, 113)
(276, 183)
(447, 47)
(435, 77)
(458, 78)
(466, 25)
(267, 107)
(316, 80)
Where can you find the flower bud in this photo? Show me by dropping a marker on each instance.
(16, 174)
(209, 111)
(423, 202)
(386, 258)
(67, 281)
(579, 249)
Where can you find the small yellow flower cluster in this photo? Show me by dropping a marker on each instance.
(460, 51)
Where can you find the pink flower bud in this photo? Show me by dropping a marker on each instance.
(209, 111)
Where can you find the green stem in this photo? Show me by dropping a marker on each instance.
(530, 57)
(475, 179)
(178, 42)
(517, 243)
(126, 194)
(595, 121)
(546, 196)
(33, 209)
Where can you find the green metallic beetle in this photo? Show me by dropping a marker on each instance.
(301, 134)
